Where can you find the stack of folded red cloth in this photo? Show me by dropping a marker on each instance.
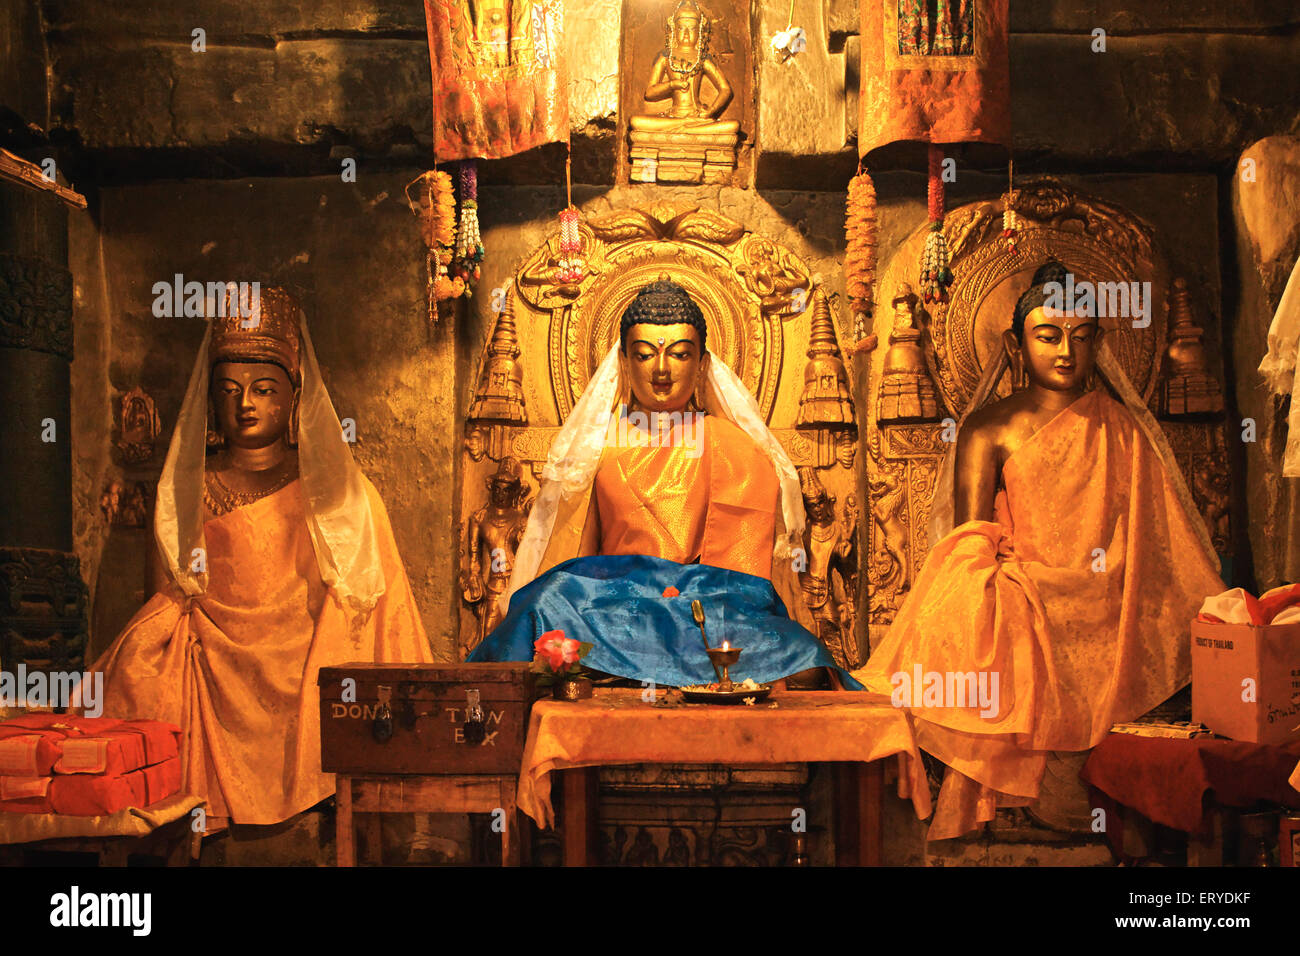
(1238, 606)
(86, 766)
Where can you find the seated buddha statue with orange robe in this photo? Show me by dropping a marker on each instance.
(1061, 601)
(663, 487)
(280, 559)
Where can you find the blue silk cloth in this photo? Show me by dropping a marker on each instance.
(616, 603)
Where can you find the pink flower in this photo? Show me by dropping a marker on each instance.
(557, 650)
(671, 591)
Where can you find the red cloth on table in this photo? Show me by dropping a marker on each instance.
(1169, 780)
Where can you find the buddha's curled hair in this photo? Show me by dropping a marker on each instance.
(663, 302)
(1035, 296)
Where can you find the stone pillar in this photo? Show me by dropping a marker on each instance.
(42, 596)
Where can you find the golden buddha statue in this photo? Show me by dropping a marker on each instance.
(1067, 561)
(686, 142)
(663, 486)
(279, 559)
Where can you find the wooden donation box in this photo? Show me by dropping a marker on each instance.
(431, 738)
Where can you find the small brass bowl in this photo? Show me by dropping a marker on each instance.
(573, 688)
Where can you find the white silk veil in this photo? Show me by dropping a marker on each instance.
(339, 517)
(575, 455)
(942, 510)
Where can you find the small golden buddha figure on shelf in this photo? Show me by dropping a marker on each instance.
(1066, 563)
(687, 143)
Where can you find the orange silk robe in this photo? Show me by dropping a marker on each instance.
(717, 506)
(1075, 649)
(236, 666)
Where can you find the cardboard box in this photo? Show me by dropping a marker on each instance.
(1246, 680)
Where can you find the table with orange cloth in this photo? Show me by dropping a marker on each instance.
(617, 727)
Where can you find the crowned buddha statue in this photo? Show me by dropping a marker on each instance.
(686, 142)
(663, 487)
(1066, 563)
(279, 559)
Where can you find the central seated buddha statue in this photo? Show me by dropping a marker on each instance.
(663, 487)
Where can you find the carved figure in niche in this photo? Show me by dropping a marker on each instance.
(697, 146)
(279, 559)
(888, 570)
(123, 508)
(492, 538)
(689, 491)
(1066, 557)
(831, 555)
(139, 426)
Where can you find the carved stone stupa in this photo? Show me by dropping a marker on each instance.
(1189, 388)
(907, 393)
(686, 143)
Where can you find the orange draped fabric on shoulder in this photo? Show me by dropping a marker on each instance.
(1079, 599)
(715, 503)
(236, 666)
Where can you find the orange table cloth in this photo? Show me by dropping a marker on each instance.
(617, 727)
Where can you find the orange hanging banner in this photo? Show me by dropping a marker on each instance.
(934, 71)
(500, 84)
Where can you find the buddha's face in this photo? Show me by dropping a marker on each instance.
(686, 31)
(252, 402)
(502, 491)
(662, 364)
(1059, 351)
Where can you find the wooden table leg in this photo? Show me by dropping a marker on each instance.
(344, 837)
(872, 822)
(579, 815)
(859, 836)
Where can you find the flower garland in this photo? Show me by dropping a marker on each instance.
(860, 252)
(936, 275)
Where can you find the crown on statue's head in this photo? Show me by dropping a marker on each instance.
(258, 325)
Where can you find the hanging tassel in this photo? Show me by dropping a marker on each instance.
(571, 267)
(860, 252)
(936, 276)
(1010, 221)
(469, 241)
